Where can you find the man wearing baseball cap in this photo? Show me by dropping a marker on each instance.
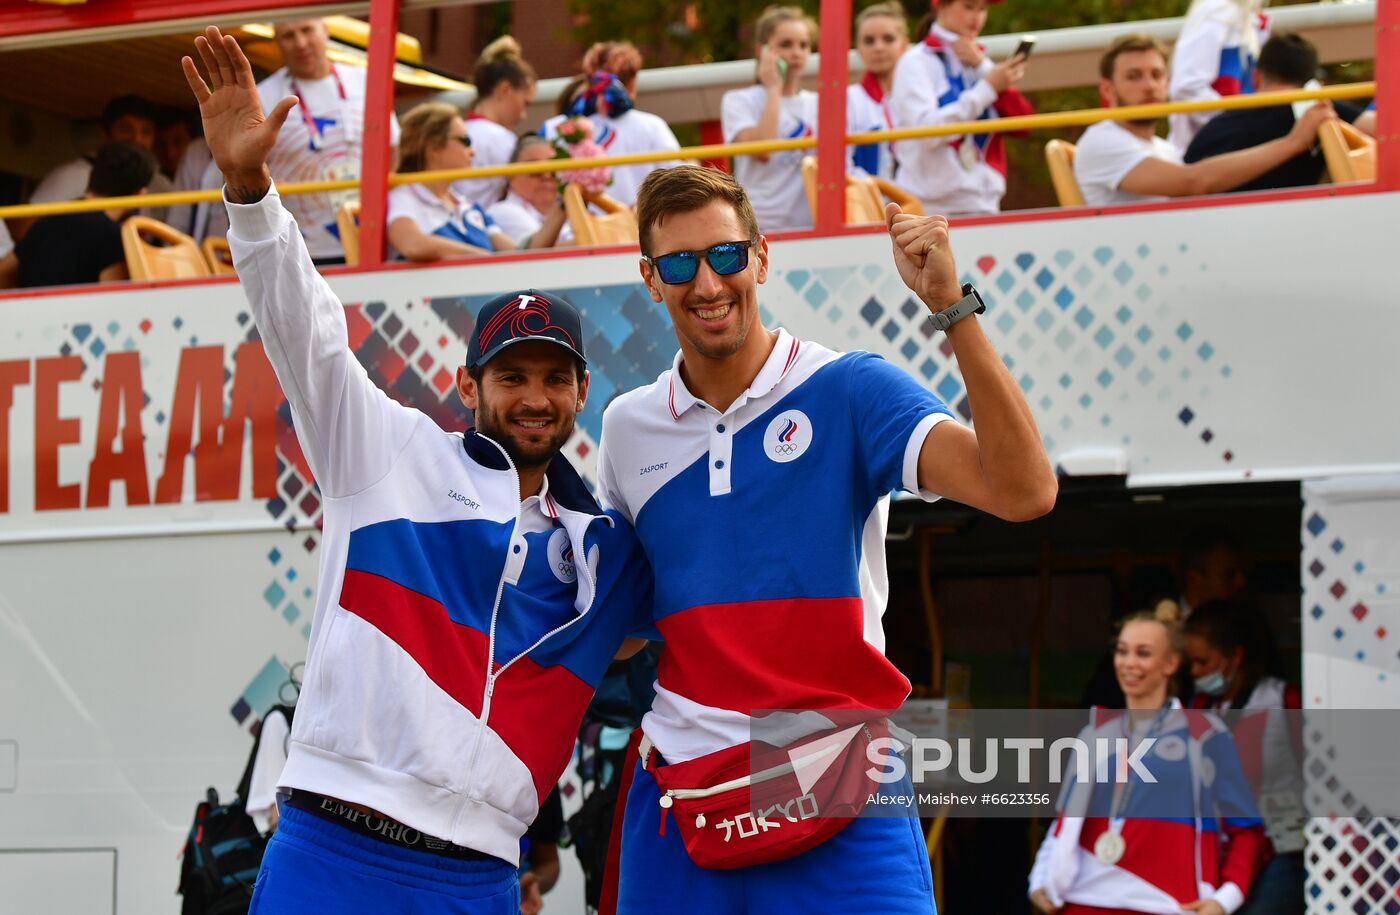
(471, 594)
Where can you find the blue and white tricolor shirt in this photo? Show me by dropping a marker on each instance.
(765, 525)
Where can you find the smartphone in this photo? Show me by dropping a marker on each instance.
(782, 69)
(1026, 46)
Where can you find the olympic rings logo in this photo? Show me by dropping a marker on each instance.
(784, 448)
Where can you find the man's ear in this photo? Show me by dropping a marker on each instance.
(649, 278)
(1107, 97)
(583, 391)
(761, 249)
(466, 388)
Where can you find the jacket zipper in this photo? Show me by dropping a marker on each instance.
(491, 638)
(593, 589)
(685, 794)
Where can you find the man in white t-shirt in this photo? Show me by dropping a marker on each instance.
(322, 138)
(1126, 162)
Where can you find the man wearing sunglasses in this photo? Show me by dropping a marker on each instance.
(471, 594)
(757, 471)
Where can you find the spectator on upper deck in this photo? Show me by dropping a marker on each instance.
(607, 98)
(945, 79)
(775, 108)
(505, 86)
(431, 221)
(175, 130)
(1126, 162)
(1287, 61)
(882, 37)
(87, 247)
(128, 117)
(1214, 56)
(530, 199)
(322, 138)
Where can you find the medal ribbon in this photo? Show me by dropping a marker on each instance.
(1123, 791)
(306, 117)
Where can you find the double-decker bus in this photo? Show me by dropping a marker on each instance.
(1224, 360)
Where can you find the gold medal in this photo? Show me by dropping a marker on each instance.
(968, 153)
(1109, 847)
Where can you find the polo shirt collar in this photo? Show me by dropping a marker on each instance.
(779, 362)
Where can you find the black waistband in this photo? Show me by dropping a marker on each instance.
(380, 827)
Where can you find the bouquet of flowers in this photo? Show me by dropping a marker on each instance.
(575, 141)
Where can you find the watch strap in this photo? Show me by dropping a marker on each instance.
(970, 304)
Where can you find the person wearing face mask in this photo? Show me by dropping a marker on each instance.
(775, 108)
(1119, 851)
(1231, 654)
(944, 79)
(882, 35)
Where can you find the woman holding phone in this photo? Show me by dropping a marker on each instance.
(771, 109)
(944, 79)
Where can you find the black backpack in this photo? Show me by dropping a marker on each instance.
(223, 853)
(623, 696)
(224, 850)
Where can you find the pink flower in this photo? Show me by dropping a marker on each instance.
(575, 141)
(576, 130)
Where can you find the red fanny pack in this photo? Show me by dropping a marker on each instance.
(745, 805)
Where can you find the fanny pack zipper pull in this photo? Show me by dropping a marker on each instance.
(666, 801)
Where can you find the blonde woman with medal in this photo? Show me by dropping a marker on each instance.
(1189, 843)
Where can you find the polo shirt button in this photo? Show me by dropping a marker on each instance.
(719, 428)
(719, 465)
(515, 549)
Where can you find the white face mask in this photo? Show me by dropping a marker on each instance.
(1212, 684)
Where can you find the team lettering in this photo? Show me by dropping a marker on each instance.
(654, 467)
(199, 428)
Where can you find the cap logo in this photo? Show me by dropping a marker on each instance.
(526, 316)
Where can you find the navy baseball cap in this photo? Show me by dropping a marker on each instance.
(528, 315)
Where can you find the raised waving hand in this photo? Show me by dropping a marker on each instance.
(239, 135)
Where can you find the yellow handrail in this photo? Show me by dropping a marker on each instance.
(716, 150)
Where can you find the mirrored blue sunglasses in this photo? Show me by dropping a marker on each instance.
(724, 259)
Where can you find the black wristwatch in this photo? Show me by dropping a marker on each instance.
(970, 304)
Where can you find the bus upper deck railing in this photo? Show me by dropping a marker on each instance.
(1046, 121)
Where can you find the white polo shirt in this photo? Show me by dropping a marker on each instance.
(775, 187)
(765, 526)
